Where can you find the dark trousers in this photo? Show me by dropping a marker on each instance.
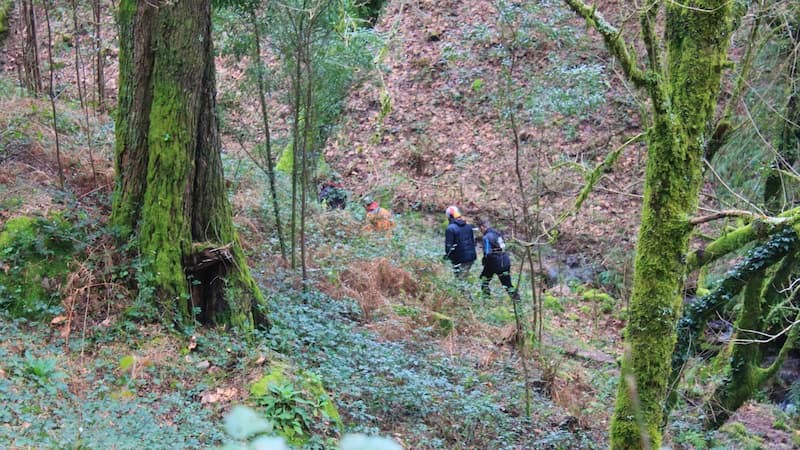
(504, 273)
(461, 270)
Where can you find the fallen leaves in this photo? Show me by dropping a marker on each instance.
(219, 395)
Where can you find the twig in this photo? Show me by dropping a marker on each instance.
(739, 196)
(769, 337)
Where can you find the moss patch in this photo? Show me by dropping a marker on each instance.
(553, 303)
(34, 252)
(443, 322)
(605, 301)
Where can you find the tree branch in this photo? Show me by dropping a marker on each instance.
(614, 41)
(696, 314)
(648, 17)
(739, 237)
(723, 126)
(721, 214)
(594, 175)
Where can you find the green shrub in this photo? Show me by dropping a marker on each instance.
(296, 403)
(34, 252)
(251, 432)
(553, 303)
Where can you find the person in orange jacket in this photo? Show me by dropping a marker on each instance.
(377, 218)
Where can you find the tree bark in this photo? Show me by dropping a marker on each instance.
(170, 184)
(30, 48)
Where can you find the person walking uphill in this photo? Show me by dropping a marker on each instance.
(495, 260)
(459, 243)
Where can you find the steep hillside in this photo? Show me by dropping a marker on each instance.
(446, 139)
(403, 350)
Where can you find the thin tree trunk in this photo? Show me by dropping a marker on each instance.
(299, 26)
(53, 98)
(308, 124)
(81, 89)
(30, 48)
(267, 138)
(100, 78)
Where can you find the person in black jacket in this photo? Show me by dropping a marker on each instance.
(459, 243)
(495, 260)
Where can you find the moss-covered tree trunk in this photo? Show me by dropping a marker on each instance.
(788, 151)
(682, 76)
(744, 373)
(170, 187)
(684, 98)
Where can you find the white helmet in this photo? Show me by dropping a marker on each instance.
(452, 212)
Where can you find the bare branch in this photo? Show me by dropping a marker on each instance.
(767, 337)
(736, 194)
(722, 214)
(594, 175)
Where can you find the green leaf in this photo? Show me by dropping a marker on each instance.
(126, 362)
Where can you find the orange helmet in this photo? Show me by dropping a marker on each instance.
(452, 211)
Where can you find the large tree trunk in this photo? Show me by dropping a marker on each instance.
(682, 77)
(684, 99)
(170, 182)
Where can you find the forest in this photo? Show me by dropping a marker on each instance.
(275, 225)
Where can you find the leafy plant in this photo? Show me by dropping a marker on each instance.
(287, 409)
(250, 431)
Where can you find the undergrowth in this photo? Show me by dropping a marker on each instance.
(58, 399)
(436, 400)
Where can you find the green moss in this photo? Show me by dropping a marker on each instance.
(501, 315)
(34, 253)
(286, 160)
(743, 438)
(164, 233)
(553, 303)
(444, 323)
(606, 302)
(406, 311)
(5, 7)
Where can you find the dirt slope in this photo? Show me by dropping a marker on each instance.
(445, 142)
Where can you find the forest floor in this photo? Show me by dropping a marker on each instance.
(402, 349)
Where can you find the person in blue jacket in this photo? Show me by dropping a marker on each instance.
(495, 260)
(459, 243)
